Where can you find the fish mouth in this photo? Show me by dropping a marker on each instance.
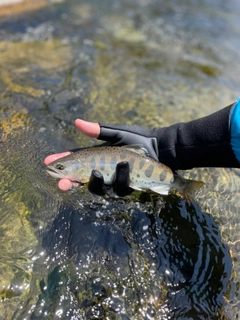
(60, 175)
(54, 174)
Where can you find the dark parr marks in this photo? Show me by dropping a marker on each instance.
(149, 171)
(131, 163)
(93, 162)
(123, 155)
(102, 163)
(163, 175)
(141, 164)
(113, 163)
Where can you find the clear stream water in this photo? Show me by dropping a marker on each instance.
(79, 256)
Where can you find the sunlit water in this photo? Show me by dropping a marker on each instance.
(78, 256)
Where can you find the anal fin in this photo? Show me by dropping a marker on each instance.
(162, 189)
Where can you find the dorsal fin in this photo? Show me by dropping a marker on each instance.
(137, 148)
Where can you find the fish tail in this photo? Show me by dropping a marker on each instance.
(186, 186)
(191, 186)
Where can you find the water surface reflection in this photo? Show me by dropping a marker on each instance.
(169, 264)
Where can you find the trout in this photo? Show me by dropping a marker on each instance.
(145, 173)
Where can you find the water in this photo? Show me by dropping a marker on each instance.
(77, 256)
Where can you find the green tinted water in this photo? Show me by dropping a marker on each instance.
(77, 256)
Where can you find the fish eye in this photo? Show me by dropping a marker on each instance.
(59, 166)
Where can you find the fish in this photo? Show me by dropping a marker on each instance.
(146, 173)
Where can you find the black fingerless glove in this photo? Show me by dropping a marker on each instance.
(120, 184)
(204, 142)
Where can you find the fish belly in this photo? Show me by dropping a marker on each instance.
(153, 176)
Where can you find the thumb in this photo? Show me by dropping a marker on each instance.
(91, 129)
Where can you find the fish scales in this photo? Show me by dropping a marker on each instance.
(110, 156)
(145, 172)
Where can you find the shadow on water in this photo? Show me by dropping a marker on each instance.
(129, 264)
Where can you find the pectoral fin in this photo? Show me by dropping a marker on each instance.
(135, 187)
(84, 180)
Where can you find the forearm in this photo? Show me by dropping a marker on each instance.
(205, 142)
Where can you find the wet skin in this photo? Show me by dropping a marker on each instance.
(91, 129)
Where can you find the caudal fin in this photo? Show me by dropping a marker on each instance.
(185, 186)
(191, 186)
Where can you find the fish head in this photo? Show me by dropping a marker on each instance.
(70, 169)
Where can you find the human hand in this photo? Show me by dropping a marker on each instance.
(182, 146)
(96, 184)
(118, 135)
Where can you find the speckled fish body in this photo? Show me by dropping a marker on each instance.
(145, 172)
